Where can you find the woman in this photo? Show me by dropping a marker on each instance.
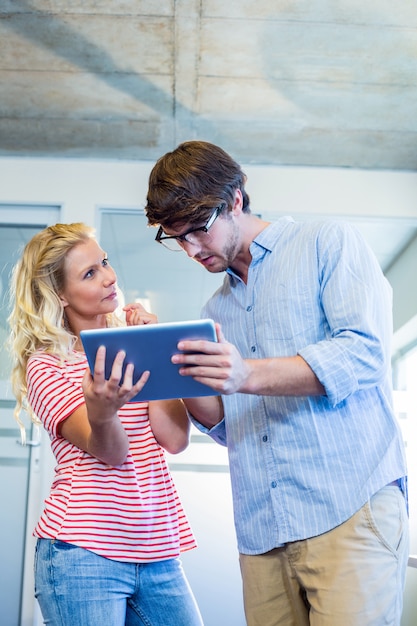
(112, 527)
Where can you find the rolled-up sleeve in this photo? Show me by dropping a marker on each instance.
(217, 432)
(357, 305)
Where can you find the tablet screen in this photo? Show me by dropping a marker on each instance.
(150, 347)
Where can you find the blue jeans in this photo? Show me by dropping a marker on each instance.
(76, 586)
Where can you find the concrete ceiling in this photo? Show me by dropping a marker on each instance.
(286, 82)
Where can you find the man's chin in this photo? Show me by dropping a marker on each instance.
(216, 268)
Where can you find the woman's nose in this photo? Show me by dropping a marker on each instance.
(110, 277)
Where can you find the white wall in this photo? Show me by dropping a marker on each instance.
(332, 191)
(79, 186)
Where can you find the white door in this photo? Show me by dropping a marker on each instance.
(17, 226)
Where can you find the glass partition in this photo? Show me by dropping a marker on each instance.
(173, 286)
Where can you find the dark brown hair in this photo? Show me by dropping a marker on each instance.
(187, 183)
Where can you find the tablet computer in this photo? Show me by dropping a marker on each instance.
(150, 347)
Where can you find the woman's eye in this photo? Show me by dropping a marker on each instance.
(89, 274)
(105, 261)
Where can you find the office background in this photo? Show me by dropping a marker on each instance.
(316, 99)
(110, 195)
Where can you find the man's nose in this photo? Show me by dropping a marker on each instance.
(190, 248)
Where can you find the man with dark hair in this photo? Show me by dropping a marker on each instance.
(302, 363)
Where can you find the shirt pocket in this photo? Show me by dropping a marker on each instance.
(292, 312)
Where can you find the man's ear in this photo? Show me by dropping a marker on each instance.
(238, 202)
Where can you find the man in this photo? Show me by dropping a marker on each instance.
(303, 365)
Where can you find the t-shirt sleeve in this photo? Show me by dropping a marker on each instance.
(54, 389)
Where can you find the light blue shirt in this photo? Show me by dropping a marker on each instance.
(302, 465)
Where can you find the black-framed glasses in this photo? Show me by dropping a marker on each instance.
(194, 236)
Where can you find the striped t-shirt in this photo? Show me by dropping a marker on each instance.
(128, 513)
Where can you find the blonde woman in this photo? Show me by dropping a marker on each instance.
(112, 528)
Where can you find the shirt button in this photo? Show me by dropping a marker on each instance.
(273, 484)
(265, 438)
(249, 308)
(253, 348)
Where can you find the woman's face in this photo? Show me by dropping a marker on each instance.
(90, 284)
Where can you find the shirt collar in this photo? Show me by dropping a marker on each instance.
(265, 241)
(268, 237)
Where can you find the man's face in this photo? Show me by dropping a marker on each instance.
(215, 248)
(218, 243)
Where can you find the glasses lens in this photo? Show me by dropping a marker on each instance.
(195, 236)
(171, 244)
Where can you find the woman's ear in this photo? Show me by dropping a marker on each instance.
(63, 301)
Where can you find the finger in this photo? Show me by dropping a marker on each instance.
(128, 391)
(117, 369)
(99, 364)
(203, 369)
(138, 318)
(130, 312)
(126, 383)
(139, 385)
(133, 318)
(199, 346)
(134, 306)
(199, 352)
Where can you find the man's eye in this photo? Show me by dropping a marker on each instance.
(191, 232)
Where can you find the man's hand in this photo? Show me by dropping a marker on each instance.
(216, 364)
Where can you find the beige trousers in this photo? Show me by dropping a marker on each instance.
(352, 575)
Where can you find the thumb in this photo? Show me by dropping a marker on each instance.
(87, 379)
(219, 333)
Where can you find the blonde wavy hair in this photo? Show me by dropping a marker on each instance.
(37, 320)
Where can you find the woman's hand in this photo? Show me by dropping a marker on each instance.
(95, 426)
(136, 315)
(106, 397)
